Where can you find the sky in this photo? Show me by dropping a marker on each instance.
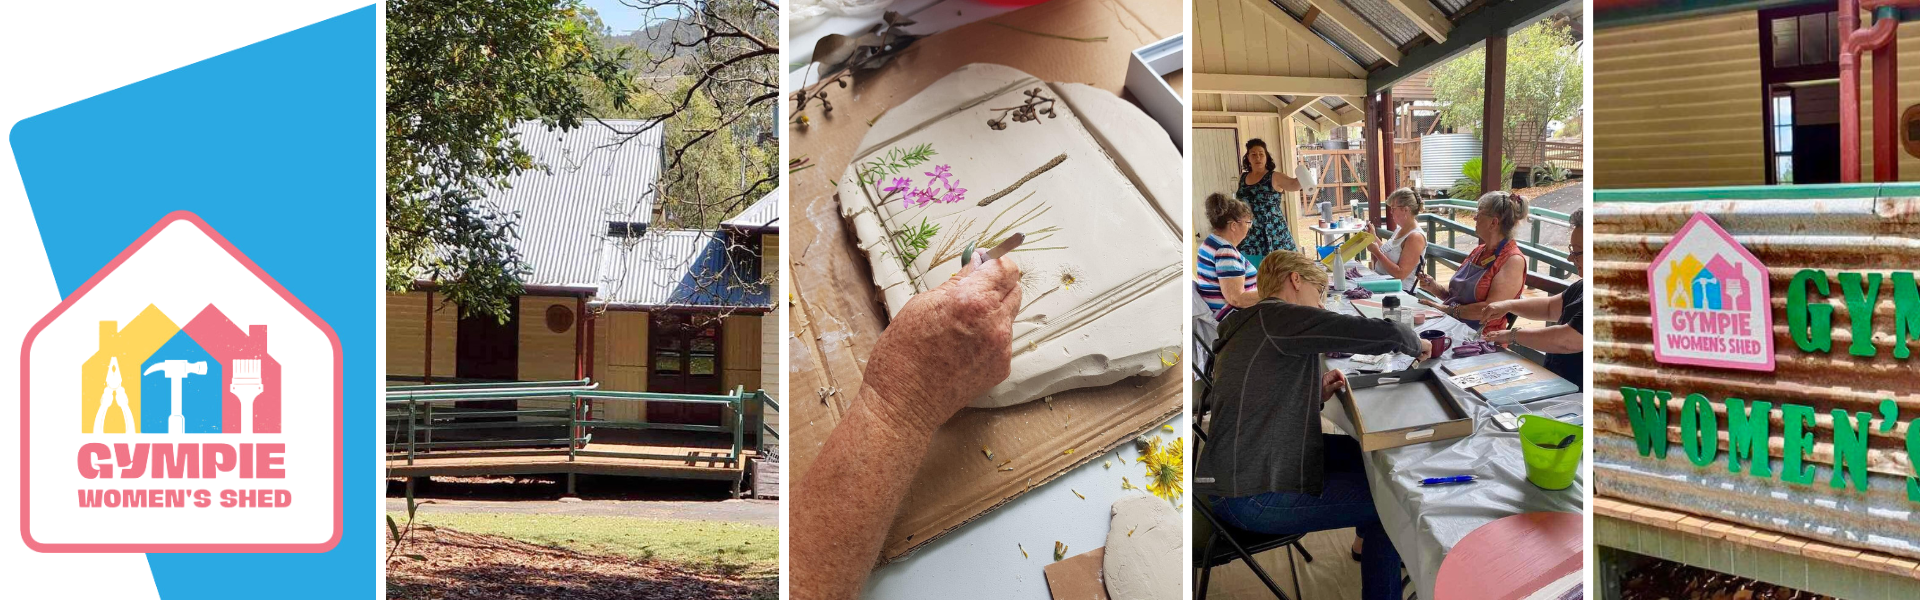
(622, 19)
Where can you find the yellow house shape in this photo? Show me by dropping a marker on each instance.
(133, 345)
(1680, 281)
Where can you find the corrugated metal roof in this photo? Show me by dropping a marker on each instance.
(1452, 7)
(682, 268)
(586, 179)
(1387, 19)
(767, 213)
(1333, 32)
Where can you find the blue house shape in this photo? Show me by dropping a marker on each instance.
(199, 394)
(1706, 291)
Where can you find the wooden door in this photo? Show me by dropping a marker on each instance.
(486, 349)
(684, 358)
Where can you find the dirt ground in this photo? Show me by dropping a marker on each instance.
(460, 566)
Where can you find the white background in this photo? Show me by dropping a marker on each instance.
(53, 54)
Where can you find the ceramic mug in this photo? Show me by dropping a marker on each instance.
(1439, 340)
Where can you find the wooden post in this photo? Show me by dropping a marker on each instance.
(1389, 162)
(579, 337)
(1493, 113)
(428, 368)
(1371, 138)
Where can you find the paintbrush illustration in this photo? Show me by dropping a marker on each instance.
(246, 386)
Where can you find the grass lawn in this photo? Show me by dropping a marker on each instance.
(692, 542)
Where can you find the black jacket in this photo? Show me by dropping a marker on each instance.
(1264, 435)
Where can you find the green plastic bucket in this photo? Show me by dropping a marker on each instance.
(1550, 468)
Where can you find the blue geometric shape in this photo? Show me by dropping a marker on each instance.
(200, 392)
(274, 146)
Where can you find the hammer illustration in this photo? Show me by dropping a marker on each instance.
(177, 370)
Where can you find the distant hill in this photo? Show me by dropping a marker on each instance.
(658, 39)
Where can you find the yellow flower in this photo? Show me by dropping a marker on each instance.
(1164, 469)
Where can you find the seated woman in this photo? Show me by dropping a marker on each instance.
(1562, 341)
(1224, 279)
(1494, 271)
(1266, 467)
(1400, 256)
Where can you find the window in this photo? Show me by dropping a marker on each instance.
(1783, 136)
(1805, 40)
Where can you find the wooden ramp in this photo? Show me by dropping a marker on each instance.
(700, 462)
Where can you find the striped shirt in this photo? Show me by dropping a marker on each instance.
(1218, 260)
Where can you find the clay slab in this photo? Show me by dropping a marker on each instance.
(1143, 550)
(1103, 260)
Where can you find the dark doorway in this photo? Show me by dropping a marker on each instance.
(683, 358)
(488, 350)
(1806, 133)
(1799, 73)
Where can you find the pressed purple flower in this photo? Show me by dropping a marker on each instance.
(899, 184)
(954, 195)
(918, 197)
(941, 173)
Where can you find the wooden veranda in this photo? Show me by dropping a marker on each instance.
(559, 428)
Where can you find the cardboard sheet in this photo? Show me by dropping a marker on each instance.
(1078, 577)
(835, 315)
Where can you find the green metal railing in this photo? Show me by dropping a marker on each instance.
(416, 413)
(1557, 266)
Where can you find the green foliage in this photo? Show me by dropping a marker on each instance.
(1468, 186)
(893, 162)
(460, 74)
(914, 240)
(1547, 174)
(1543, 79)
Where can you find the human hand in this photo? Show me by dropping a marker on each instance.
(1331, 382)
(1426, 351)
(1502, 337)
(948, 345)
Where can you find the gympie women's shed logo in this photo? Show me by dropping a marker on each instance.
(1710, 301)
(208, 404)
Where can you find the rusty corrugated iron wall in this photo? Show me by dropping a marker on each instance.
(1861, 234)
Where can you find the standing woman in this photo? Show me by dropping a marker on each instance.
(1494, 271)
(1400, 256)
(1260, 188)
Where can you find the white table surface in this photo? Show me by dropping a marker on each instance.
(980, 559)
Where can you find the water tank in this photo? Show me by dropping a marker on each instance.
(1441, 155)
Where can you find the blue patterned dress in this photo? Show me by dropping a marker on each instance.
(1270, 231)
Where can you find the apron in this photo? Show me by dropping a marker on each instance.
(1474, 281)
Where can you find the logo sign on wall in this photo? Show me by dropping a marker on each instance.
(181, 401)
(1710, 300)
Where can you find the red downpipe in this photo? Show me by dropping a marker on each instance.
(1854, 41)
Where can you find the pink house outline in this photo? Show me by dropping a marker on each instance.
(26, 405)
(1760, 288)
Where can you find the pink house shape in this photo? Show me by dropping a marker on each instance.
(1748, 294)
(1735, 291)
(224, 340)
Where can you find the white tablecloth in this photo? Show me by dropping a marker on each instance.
(1425, 522)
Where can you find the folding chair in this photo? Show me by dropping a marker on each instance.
(1225, 544)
